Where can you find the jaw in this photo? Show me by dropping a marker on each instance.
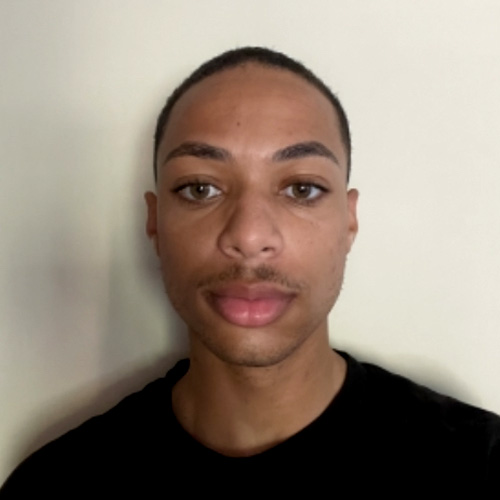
(236, 348)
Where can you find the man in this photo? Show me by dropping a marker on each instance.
(252, 222)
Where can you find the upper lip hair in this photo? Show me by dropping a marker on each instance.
(251, 291)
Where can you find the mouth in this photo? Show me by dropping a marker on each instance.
(250, 305)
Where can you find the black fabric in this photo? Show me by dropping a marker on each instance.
(381, 434)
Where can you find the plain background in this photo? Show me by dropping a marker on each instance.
(83, 318)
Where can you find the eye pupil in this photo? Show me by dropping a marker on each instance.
(301, 190)
(199, 191)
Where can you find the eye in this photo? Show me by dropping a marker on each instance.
(198, 191)
(304, 191)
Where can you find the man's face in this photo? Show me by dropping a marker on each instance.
(252, 221)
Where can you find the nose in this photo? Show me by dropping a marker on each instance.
(251, 231)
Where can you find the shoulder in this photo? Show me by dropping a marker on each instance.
(113, 441)
(415, 402)
(422, 426)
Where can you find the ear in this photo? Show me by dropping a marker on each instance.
(352, 204)
(152, 219)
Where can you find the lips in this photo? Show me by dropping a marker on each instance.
(250, 306)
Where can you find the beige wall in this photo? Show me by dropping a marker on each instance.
(82, 315)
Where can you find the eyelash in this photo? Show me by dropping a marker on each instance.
(318, 191)
(183, 191)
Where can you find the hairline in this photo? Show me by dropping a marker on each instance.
(259, 57)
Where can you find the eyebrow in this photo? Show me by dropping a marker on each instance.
(199, 150)
(304, 150)
(292, 152)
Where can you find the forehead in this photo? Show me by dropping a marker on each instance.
(253, 107)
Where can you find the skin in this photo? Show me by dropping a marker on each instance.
(252, 201)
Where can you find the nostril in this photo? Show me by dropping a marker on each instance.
(250, 234)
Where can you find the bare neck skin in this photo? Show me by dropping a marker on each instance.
(242, 411)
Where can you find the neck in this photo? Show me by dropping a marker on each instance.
(241, 411)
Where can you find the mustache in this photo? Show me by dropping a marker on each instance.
(259, 274)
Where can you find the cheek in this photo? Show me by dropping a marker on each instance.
(183, 253)
(176, 280)
(174, 255)
(332, 262)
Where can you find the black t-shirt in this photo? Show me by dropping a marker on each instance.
(381, 434)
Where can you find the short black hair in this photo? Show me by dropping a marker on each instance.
(264, 57)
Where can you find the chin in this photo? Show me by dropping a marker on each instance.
(252, 353)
